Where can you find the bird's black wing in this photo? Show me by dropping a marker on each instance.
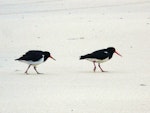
(33, 55)
(100, 54)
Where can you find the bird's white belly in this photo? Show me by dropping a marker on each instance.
(30, 62)
(97, 60)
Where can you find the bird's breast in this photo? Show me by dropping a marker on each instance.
(97, 60)
(30, 62)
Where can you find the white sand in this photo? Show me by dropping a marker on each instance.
(68, 29)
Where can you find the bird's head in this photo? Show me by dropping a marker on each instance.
(47, 55)
(113, 50)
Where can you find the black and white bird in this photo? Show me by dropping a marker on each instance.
(34, 58)
(100, 56)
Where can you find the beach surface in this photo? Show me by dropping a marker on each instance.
(69, 29)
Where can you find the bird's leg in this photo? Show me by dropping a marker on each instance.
(27, 69)
(36, 70)
(100, 67)
(94, 66)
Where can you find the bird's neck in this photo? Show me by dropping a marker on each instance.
(110, 56)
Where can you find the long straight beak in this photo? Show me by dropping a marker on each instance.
(52, 58)
(118, 53)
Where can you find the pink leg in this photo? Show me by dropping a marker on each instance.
(36, 70)
(100, 67)
(94, 66)
(27, 69)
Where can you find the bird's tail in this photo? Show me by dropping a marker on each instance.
(83, 57)
(17, 59)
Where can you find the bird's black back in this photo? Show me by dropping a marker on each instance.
(33, 55)
(100, 54)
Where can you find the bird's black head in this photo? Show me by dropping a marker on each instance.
(112, 50)
(47, 55)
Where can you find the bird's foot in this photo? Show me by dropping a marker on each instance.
(94, 69)
(39, 73)
(26, 73)
(104, 71)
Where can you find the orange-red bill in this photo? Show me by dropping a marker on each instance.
(118, 53)
(52, 58)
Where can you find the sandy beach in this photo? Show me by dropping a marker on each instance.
(69, 29)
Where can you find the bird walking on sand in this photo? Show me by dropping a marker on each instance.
(100, 56)
(34, 58)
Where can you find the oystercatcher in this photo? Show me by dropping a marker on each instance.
(34, 58)
(100, 56)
